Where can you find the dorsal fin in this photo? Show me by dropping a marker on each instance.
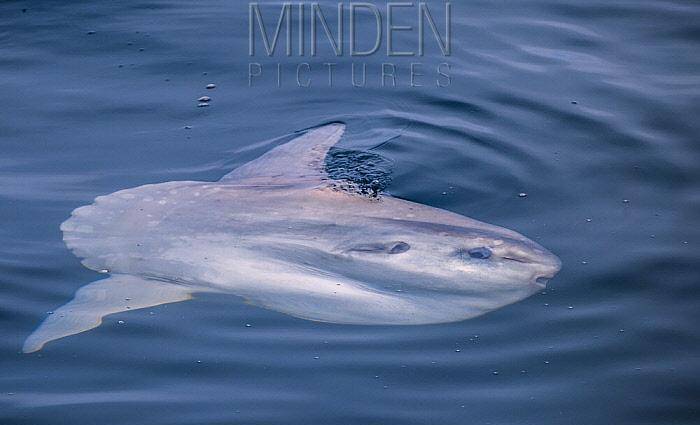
(297, 161)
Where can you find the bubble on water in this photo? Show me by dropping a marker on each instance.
(495, 372)
(202, 105)
(121, 322)
(522, 195)
(210, 86)
(358, 171)
(204, 99)
(248, 325)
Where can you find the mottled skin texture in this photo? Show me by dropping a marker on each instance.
(276, 233)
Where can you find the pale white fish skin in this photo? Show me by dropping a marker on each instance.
(276, 233)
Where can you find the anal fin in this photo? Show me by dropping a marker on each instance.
(101, 298)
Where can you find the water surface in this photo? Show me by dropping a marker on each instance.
(588, 108)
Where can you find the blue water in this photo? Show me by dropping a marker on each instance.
(588, 107)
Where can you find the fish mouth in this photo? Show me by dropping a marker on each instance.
(547, 271)
(543, 265)
(542, 281)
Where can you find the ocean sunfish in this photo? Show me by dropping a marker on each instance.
(279, 233)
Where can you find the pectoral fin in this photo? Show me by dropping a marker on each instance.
(93, 302)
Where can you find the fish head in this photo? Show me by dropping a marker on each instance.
(456, 258)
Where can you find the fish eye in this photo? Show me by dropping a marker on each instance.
(399, 248)
(481, 253)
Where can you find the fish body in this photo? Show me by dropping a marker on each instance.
(279, 233)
